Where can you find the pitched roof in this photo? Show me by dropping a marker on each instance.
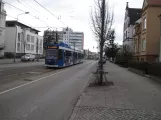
(134, 14)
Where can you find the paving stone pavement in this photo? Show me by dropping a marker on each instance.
(132, 97)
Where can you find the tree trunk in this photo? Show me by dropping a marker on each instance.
(102, 41)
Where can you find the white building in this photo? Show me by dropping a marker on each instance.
(131, 16)
(22, 39)
(75, 39)
(2, 28)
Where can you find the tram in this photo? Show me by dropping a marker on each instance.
(62, 55)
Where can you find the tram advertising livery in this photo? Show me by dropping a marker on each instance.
(62, 55)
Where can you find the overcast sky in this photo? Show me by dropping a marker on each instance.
(72, 13)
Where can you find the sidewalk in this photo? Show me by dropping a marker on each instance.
(132, 97)
(11, 61)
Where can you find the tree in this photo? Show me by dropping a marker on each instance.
(102, 20)
(111, 48)
(111, 51)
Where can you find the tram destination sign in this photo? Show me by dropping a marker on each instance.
(52, 47)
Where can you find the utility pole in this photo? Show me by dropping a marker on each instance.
(56, 36)
(88, 53)
(102, 40)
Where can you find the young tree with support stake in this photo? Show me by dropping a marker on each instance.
(102, 20)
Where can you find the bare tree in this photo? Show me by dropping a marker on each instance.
(102, 20)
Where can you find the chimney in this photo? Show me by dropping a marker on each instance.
(127, 5)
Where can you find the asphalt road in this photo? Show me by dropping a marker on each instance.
(11, 69)
(15, 74)
(48, 96)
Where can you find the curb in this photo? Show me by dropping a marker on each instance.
(74, 113)
(19, 62)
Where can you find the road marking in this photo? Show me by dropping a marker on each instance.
(31, 82)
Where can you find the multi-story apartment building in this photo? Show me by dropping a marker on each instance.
(67, 35)
(147, 32)
(75, 39)
(21, 39)
(2, 28)
(131, 15)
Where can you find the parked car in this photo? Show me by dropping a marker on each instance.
(28, 57)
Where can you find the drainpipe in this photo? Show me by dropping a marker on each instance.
(160, 40)
(15, 45)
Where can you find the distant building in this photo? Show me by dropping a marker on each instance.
(90, 55)
(22, 39)
(2, 28)
(147, 32)
(75, 39)
(131, 15)
(67, 36)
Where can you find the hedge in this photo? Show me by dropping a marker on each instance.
(154, 69)
(148, 68)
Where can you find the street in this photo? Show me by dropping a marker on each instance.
(32, 92)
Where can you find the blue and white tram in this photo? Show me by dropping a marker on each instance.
(62, 55)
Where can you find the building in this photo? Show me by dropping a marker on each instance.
(22, 39)
(137, 39)
(90, 55)
(2, 28)
(147, 32)
(131, 15)
(75, 39)
(67, 36)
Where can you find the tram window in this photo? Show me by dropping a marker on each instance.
(68, 53)
(60, 54)
(52, 52)
(75, 55)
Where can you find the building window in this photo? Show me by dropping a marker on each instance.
(28, 38)
(144, 23)
(143, 45)
(40, 42)
(28, 47)
(32, 39)
(19, 37)
(18, 46)
(32, 47)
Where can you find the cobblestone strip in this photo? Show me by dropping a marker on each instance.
(101, 113)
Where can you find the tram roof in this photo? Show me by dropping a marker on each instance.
(65, 45)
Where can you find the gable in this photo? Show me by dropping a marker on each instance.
(145, 4)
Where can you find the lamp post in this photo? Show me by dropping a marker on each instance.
(16, 34)
(160, 40)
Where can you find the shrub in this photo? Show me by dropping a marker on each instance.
(9, 55)
(143, 66)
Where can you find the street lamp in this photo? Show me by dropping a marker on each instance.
(22, 14)
(16, 35)
(160, 39)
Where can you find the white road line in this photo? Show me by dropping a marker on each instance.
(31, 82)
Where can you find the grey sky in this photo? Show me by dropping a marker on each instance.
(73, 13)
